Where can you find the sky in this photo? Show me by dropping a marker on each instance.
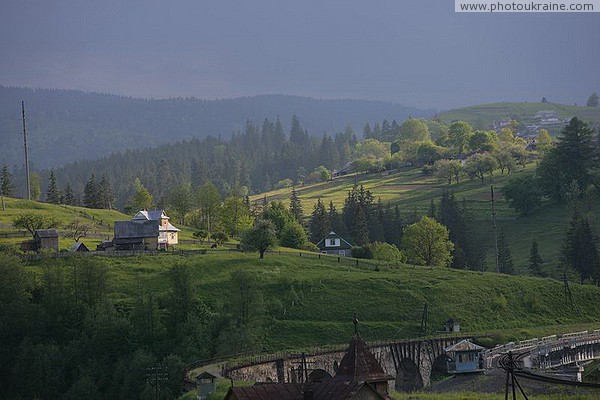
(413, 52)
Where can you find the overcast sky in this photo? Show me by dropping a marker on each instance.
(413, 52)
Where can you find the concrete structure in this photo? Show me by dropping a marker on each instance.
(463, 357)
(336, 245)
(410, 364)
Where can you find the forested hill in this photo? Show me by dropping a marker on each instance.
(66, 125)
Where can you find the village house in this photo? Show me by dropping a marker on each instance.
(147, 230)
(79, 247)
(334, 244)
(358, 377)
(43, 239)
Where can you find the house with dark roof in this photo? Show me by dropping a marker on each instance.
(43, 239)
(206, 384)
(336, 245)
(147, 230)
(79, 247)
(358, 377)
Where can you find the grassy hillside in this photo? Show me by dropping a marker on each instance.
(388, 302)
(481, 116)
(102, 221)
(413, 191)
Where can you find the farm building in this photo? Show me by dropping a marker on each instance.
(206, 383)
(147, 230)
(335, 244)
(43, 239)
(79, 247)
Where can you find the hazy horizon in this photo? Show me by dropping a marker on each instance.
(412, 53)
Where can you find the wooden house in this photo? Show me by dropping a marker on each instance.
(43, 239)
(147, 230)
(464, 357)
(334, 244)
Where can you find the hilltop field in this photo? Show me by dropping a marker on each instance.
(481, 116)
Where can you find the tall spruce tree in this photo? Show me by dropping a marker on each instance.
(505, 261)
(319, 225)
(336, 220)
(69, 197)
(90, 193)
(7, 185)
(106, 197)
(296, 206)
(53, 195)
(377, 223)
(535, 261)
(580, 250)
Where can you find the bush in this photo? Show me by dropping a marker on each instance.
(293, 235)
(362, 252)
(386, 252)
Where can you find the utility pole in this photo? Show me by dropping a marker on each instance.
(26, 152)
(495, 229)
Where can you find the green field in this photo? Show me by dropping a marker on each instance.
(481, 116)
(101, 221)
(412, 192)
(388, 301)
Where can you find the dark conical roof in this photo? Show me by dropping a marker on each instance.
(359, 364)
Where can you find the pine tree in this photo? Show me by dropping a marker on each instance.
(69, 196)
(7, 186)
(296, 206)
(377, 223)
(580, 250)
(535, 261)
(319, 225)
(432, 211)
(505, 261)
(53, 195)
(90, 193)
(336, 221)
(106, 198)
(297, 134)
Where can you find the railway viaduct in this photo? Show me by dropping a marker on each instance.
(411, 362)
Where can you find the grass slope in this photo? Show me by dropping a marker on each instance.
(102, 221)
(481, 116)
(388, 302)
(412, 192)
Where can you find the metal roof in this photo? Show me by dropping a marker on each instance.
(344, 244)
(135, 229)
(330, 390)
(359, 364)
(464, 345)
(46, 233)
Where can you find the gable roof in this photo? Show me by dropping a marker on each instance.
(359, 364)
(46, 233)
(329, 390)
(79, 246)
(464, 345)
(135, 229)
(152, 215)
(344, 244)
(169, 228)
(206, 375)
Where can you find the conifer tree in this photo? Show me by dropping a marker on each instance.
(580, 250)
(336, 221)
(319, 225)
(69, 196)
(90, 193)
(7, 185)
(505, 261)
(535, 261)
(432, 211)
(296, 206)
(106, 198)
(377, 223)
(53, 195)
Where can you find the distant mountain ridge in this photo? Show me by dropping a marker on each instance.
(68, 125)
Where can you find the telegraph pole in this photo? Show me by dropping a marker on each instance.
(26, 152)
(495, 229)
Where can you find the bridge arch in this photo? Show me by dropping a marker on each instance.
(319, 375)
(408, 377)
(439, 368)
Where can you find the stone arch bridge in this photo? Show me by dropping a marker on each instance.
(411, 362)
